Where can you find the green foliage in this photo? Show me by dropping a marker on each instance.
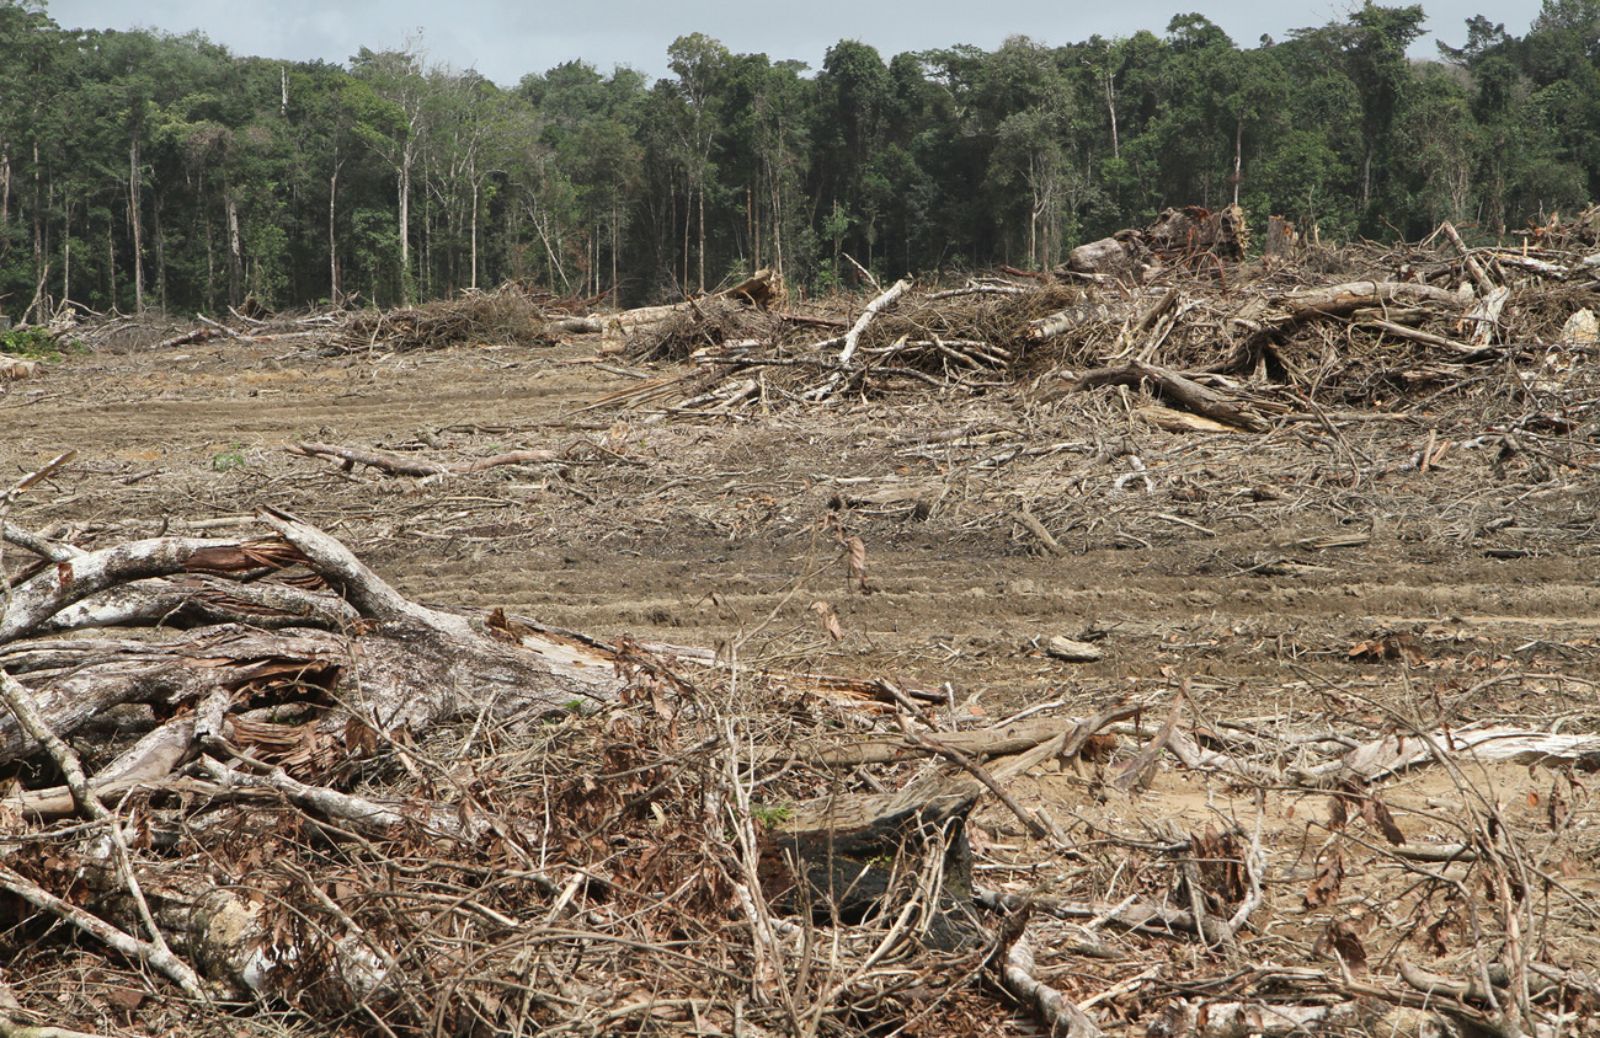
(161, 170)
(770, 815)
(228, 460)
(30, 344)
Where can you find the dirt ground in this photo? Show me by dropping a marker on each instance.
(722, 531)
(1319, 569)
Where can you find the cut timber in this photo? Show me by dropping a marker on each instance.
(1177, 389)
(841, 857)
(1281, 238)
(1180, 421)
(839, 853)
(759, 290)
(1117, 257)
(1340, 300)
(1192, 233)
(1070, 651)
(1083, 315)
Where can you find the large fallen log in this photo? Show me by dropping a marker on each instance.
(392, 663)
(758, 290)
(1176, 389)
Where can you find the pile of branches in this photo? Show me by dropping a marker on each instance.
(1219, 340)
(248, 775)
(506, 316)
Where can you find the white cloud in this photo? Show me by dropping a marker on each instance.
(506, 40)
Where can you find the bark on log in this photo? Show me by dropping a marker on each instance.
(1061, 1016)
(852, 338)
(1392, 754)
(1113, 256)
(759, 290)
(1176, 389)
(1059, 323)
(415, 666)
(1340, 300)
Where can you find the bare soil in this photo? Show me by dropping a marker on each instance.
(1318, 569)
(721, 530)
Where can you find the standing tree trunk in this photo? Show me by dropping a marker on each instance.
(66, 254)
(334, 293)
(616, 247)
(1111, 108)
(777, 223)
(134, 221)
(1238, 157)
(38, 215)
(111, 263)
(474, 234)
(702, 252)
(405, 227)
(235, 251)
(161, 252)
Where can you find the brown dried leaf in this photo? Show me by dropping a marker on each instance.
(1338, 815)
(1342, 939)
(1324, 890)
(1377, 815)
(1434, 938)
(830, 619)
(858, 563)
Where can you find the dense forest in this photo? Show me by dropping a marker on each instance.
(142, 170)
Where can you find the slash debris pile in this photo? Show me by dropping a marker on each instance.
(1222, 340)
(247, 776)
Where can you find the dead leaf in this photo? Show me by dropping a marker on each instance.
(829, 618)
(1324, 890)
(858, 563)
(1388, 646)
(1377, 815)
(1342, 940)
(1337, 814)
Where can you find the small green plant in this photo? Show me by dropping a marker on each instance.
(573, 705)
(30, 343)
(770, 815)
(229, 459)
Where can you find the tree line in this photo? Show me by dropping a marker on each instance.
(142, 169)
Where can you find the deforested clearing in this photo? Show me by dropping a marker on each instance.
(1205, 647)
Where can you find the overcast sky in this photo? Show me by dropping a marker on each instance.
(504, 39)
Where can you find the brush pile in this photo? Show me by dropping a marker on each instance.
(248, 777)
(1360, 325)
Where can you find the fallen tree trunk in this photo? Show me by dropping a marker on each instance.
(759, 290)
(852, 338)
(1343, 299)
(1177, 389)
(392, 663)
